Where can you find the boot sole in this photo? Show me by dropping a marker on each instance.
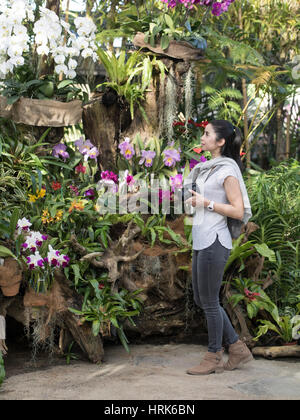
(217, 370)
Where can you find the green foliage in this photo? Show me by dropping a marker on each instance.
(253, 296)
(102, 307)
(130, 76)
(275, 201)
(69, 355)
(224, 103)
(48, 88)
(241, 252)
(283, 326)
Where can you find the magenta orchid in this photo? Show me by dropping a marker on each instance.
(217, 8)
(176, 182)
(109, 175)
(23, 225)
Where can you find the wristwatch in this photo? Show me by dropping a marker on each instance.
(210, 206)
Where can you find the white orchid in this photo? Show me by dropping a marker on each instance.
(88, 52)
(72, 64)
(52, 37)
(59, 59)
(70, 74)
(43, 50)
(61, 68)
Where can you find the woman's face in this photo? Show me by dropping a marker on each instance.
(209, 142)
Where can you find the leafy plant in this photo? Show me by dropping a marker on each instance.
(155, 227)
(164, 28)
(130, 76)
(274, 197)
(224, 102)
(253, 296)
(102, 307)
(46, 88)
(240, 252)
(283, 326)
(69, 355)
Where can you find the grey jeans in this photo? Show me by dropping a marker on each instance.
(207, 274)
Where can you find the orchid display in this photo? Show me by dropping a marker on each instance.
(57, 41)
(23, 225)
(109, 175)
(217, 8)
(42, 260)
(176, 182)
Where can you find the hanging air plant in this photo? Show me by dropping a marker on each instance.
(171, 104)
(188, 94)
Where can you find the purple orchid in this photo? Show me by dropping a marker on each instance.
(90, 194)
(60, 150)
(147, 158)
(171, 157)
(126, 149)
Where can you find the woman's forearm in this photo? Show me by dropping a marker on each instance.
(226, 210)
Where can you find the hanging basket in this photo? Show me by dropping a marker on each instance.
(10, 277)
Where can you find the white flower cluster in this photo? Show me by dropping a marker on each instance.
(13, 34)
(52, 36)
(52, 41)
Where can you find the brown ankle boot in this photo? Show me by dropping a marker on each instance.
(212, 362)
(238, 354)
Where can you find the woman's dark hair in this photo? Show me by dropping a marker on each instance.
(233, 140)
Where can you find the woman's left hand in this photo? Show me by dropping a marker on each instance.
(197, 200)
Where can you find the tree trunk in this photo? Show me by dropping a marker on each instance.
(101, 125)
(53, 5)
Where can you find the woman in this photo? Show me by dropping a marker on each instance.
(224, 195)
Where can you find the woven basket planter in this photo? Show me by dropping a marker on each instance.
(42, 113)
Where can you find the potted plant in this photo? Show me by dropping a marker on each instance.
(33, 66)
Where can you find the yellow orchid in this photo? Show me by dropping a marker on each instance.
(77, 205)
